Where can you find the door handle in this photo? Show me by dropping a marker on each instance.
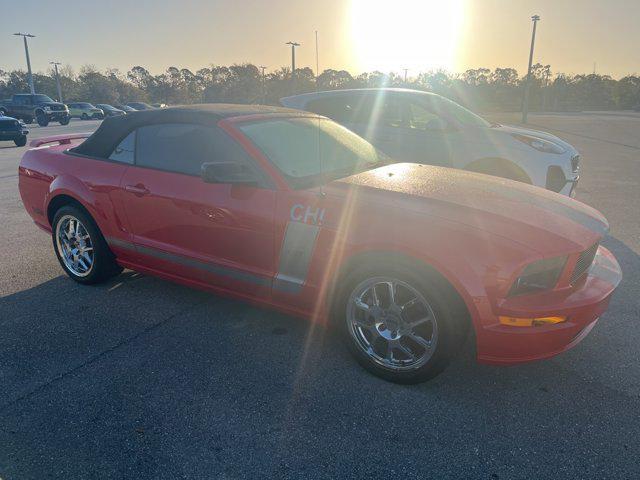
(138, 189)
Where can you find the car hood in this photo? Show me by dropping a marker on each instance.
(540, 219)
(509, 129)
(51, 104)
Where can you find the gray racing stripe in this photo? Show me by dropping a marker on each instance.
(556, 206)
(605, 269)
(295, 256)
(193, 263)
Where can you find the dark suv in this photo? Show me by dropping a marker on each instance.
(13, 130)
(26, 107)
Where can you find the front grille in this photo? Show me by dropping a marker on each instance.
(575, 163)
(57, 107)
(584, 262)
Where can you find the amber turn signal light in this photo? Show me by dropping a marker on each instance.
(530, 322)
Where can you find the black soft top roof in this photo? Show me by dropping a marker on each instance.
(114, 129)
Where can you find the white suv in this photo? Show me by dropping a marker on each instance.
(421, 127)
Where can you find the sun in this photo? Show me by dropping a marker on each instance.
(418, 35)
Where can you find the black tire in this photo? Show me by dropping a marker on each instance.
(42, 120)
(21, 141)
(84, 116)
(3, 111)
(65, 121)
(451, 317)
(104, 263)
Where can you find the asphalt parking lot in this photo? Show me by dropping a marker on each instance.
(142, 378)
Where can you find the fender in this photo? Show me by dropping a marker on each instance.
(472, 292)
(71, 186)
(499, 167)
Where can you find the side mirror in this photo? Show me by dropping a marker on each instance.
(227, 172)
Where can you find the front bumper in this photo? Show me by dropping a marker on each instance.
(12, 134)
(582, 305)
(57, 114)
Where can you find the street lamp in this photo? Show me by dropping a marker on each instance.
(26, 51)
(55, 66)
(293, 62)
(264, 84)
(525, 103)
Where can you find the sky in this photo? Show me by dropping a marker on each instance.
(356, 35)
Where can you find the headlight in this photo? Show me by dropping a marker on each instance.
(46, 109)
(539, 144)
(539, 275)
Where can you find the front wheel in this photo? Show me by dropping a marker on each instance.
(397, 323)
(80, 247)
(65, 120)
(21, 141)
(84, 116)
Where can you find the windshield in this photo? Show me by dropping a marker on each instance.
(316, 150)
(461, 114)
(41, 99)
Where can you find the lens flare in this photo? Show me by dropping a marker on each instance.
(418, 35)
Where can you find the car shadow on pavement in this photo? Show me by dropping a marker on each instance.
(150, 378)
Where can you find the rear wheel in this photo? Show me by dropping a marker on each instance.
(84, 116)
(398, 323)
(21, 141)
(80, 247)
(42, 119)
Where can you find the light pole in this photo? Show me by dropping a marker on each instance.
(264, 85)
(55, 67)
(26, 51)
(405, 75)
(293, 63)
(525, 103)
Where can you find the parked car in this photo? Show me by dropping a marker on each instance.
(293, 211)
(421, 127)
(85, 111)
(26, 106)
(110, 110)
(140, 106)
(12, 129)
(125, 108)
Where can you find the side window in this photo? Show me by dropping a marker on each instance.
(421, 118)
(125, 151)
(183, 148)
(387, 112)
(381, 110)
(337, 108)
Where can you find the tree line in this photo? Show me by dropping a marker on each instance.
(480, 89)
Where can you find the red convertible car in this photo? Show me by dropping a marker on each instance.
(290, 210)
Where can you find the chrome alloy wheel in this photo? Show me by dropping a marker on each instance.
(392, 323)
(74, 246)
